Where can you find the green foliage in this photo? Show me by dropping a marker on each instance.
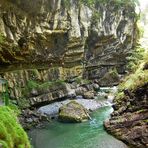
(5, 95)
(23, 102)
(138, 78)
(65, 3)
(3, 143)
(80, 80)
(113, 72)
(34, 84)
(90, 3)
(140, 28)
(1, 38)
(12, 134)
(95, 16)
(135, 59)
(117, 2)
(15, 109)
(127, 2)
(40, 86)
(119, 96)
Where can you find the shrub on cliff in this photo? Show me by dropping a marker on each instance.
(90, 3)
(12, 134)
(139, 77)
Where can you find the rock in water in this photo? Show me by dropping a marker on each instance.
(89, 95)
(73, 112)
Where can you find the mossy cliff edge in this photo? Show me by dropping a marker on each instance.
(12, 134)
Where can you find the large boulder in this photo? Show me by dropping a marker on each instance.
(73, 112)
(111, 78)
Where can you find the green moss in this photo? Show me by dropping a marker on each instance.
(133, 81)
(91, 3)
(95, 16)
(12, 134)
(136, 79)
(146, 120)
(135, 58)
(80, 80)
(2, 39)
(34, 84)
(118, 3)
(141, 110)
(3, 144)
(15, 109)
(73, 112)
(110, 78)
(113, 72)
(23, 103)
(39, 86)
(119, 96)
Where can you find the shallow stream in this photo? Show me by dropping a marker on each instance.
(90, 134)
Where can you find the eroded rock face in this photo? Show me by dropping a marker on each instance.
(111, 78)
(49, 31)
(89, 95)
(52, 40)
(37, 87)
(73, 112)
(129, 120)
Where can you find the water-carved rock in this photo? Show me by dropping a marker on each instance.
(73, 112)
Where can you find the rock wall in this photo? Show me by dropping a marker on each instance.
(129, 120)
(39, 85)
(62, 39)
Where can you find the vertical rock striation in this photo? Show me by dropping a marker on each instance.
(62, 39)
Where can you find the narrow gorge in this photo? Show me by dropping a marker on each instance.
(62, 61)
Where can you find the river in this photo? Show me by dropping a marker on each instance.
(90, 134)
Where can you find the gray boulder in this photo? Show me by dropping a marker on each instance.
(73, 112)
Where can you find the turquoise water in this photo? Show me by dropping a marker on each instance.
(90, 134)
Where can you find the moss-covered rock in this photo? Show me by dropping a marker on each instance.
(12, 134)
(89, 95)
(111, 78)
(73, 112)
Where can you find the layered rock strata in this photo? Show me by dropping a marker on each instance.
(63, 39)
(130, 118)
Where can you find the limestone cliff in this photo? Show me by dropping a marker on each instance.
(60, 39)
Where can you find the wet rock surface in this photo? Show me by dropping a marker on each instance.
(51, 110)
(73, 112)
(129, 120)
(43, 41)
(89, 95)
(57, 92)
(30, 118)
(35, 117)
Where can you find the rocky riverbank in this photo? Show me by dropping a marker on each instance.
(52, 109)
(35, 116)
(129, 121)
